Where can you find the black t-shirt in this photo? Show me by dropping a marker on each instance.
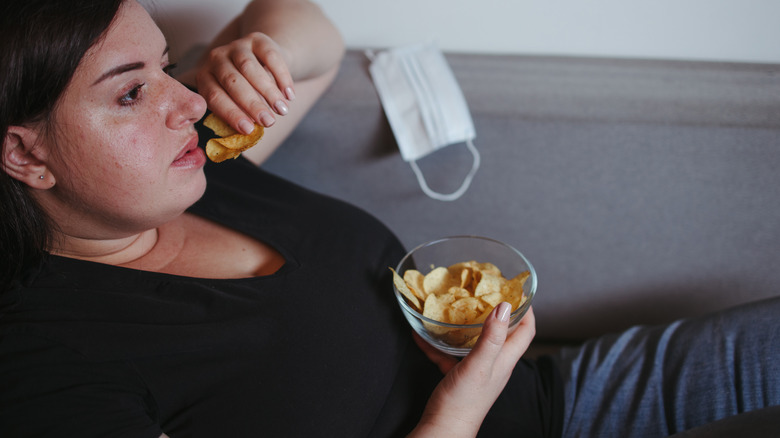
(317, 349)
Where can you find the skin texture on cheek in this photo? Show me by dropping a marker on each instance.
(99, 168)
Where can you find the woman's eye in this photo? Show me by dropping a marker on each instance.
(168, 69)
(131, 96)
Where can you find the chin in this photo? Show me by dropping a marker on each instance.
(192, 191)
(198, 187)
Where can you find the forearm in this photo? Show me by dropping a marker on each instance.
(455, 429)
(311, 44)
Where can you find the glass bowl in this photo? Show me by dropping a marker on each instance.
(457, 339)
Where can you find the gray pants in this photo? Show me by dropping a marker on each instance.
(655, 381)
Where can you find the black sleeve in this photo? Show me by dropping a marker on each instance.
(49, 390)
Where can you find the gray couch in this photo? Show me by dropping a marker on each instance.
(641, 190)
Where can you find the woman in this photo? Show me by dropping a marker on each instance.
(137, 300)
(252, 308)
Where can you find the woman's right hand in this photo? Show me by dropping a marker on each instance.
(461, 401)
(247, 80)
(274, 52)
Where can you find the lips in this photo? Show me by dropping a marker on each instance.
(190, 155)
(192, 144)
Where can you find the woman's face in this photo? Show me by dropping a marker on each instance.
(123, 152)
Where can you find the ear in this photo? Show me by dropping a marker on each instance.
(23, 160)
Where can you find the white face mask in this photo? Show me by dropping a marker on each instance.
(424, 106)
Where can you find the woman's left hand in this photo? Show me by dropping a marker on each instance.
(247, 81)
(470, 386)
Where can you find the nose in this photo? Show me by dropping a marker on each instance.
(186, 106)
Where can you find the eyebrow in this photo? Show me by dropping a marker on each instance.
(124, 68)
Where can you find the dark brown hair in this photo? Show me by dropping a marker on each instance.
(43, 41)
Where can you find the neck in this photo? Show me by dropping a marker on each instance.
(110, 251)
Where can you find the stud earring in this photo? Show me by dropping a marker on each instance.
(40, 177)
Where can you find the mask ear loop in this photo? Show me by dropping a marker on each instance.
(463, 187)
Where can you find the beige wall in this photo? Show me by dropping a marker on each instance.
(731, 30)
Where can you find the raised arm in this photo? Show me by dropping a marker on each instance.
(269, 65)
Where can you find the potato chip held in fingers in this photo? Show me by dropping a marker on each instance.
(230, 143)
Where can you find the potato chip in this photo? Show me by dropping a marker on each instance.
(493, 299)
(219, 126)
(488, 284)
(470, 343)
(435, 310)
(463, 293)
(466, 277)
(485, 313)
(485, 268)
(231, 144)
(455, 293)
(465, 310)
(439, 281)
(402, 287)
(414, 279)
(461, 337)
(513, 290)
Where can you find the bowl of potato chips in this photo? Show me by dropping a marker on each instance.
(447, 288)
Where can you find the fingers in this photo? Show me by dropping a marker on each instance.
(247, 82)
(444, 361)
(519, 340)
(494, 333)
(220, 102)
(497, 349)
(524, 332)
(495, 338)
(275, 64)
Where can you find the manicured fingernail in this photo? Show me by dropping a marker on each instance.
(504, 309)
(289, 93)
(246, 126)
(267, 119)
(281, 108)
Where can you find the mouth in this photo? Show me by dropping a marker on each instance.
(190, 154)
